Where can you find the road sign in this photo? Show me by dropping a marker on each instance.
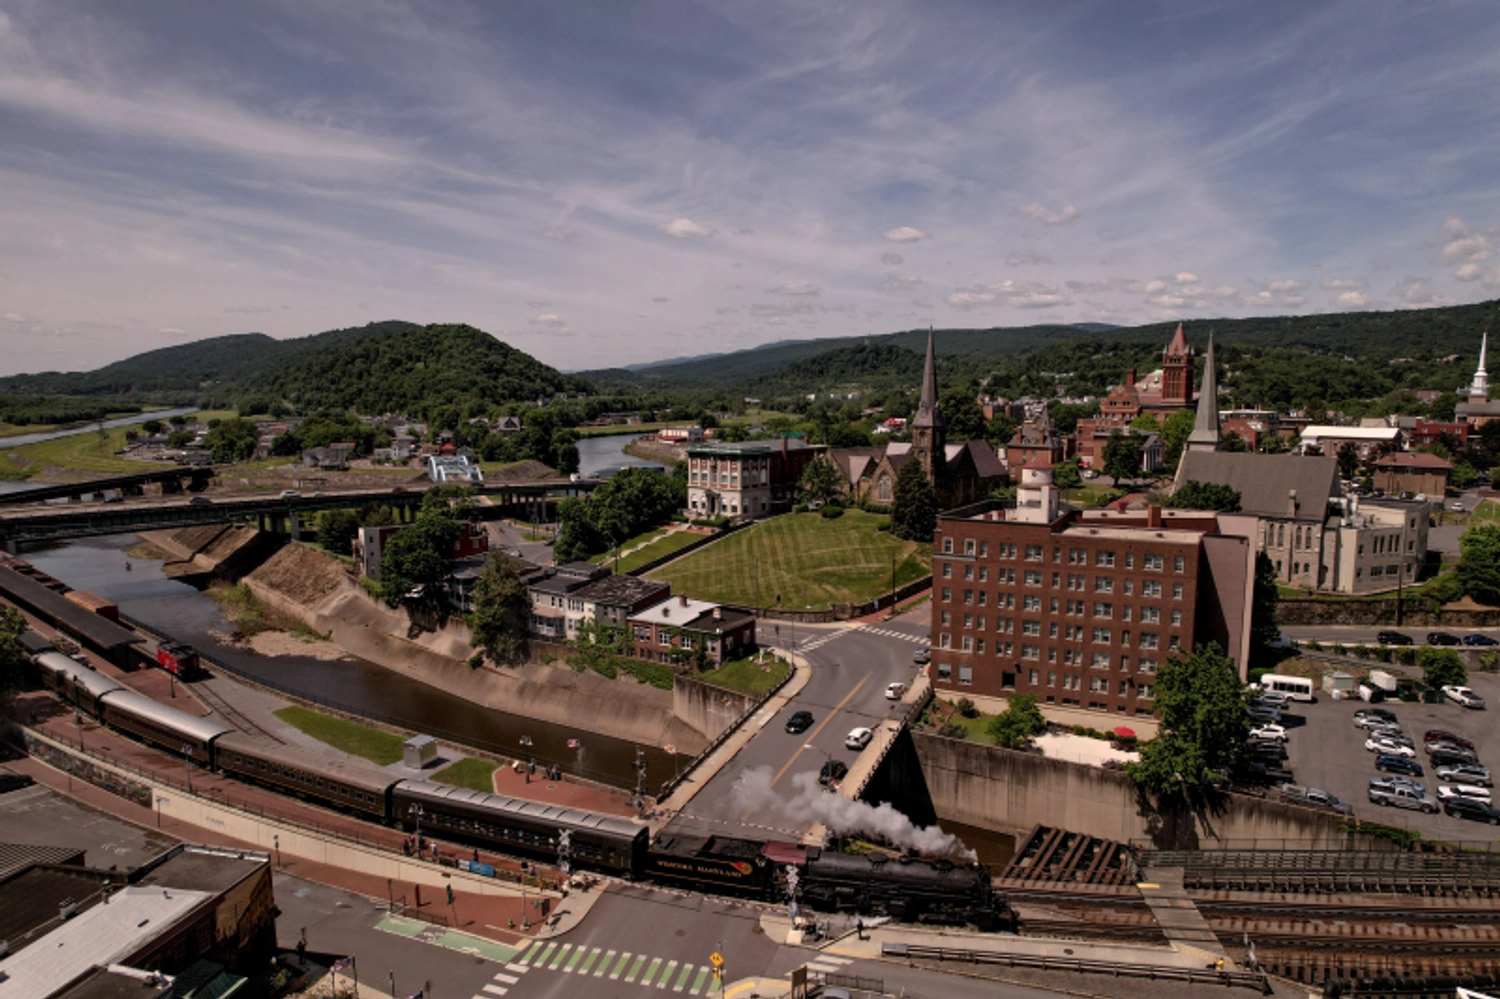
(716, 959)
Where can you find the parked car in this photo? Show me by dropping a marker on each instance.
(1443, 638)
(1443, 735)
(1314, 796)
(1404, 797)
(799, 722)
(1263, 774)
(922, 657)
(1265, 751)
(1479, 640)
(200, 501)
(1272, 733)
(1373, 716)
(1270, 698)
(1452, 748)
(1464, 696)
(894, 691)
(1388, 747)
(1392, 732)
(1468, 808)
(290, 494)
(833, 771)
(1448, 757)
(1387, 783)
(858, 738)
(1393, 638)
(1392, 764)
(1447, 792)
(1263, 714)
(1466, 773)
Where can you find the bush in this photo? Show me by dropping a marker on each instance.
(1406, 656)
(1362, 651)
(1339, 649)
(800, 508)
(967, 708)
(883, 525)
(1442, 667)
(831, 511)
(476, 660)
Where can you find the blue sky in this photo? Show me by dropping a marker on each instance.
(612, 182)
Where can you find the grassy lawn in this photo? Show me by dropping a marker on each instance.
(656, 549)
(474, 774)
(747, 675)
(378, 747)
(639, 539)
(88, 451)
(1090, 496)
(807, 561)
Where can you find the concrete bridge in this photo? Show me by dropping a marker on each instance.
(176, 479)
(279, 514)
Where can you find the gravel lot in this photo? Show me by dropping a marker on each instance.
(1327, 751)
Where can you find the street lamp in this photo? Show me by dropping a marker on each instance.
(530, 762)
(187, 761)
(417, 813)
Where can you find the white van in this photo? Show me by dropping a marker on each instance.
(1298, 688)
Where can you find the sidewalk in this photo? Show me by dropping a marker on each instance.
(727, 750)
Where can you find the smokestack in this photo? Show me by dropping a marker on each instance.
(1130, 378)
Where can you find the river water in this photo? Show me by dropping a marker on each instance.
(123, 421)
(176, 609)
(606, 455)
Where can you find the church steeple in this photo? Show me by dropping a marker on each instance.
(927, 439)
(1480, 388)
(1205, 435)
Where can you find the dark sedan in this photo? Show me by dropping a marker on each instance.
(833, 771)
(1392, 764)
(799, 722)
(1479, 640)
(1470, 808)
(1443, 638)
(1393, 638)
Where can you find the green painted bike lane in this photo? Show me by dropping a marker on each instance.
(439, 936)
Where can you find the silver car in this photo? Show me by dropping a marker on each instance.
(1466, 773)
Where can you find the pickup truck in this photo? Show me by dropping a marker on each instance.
(1403, 797)
(1298, 795)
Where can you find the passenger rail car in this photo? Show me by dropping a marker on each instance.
(602, 842)
(172, 730)
(364, 790)
(74, 682)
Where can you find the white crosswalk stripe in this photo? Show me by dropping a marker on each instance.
(515, 967)
(496, 990)
(507, 979)
(493, 991)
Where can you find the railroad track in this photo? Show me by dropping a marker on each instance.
(229, 713)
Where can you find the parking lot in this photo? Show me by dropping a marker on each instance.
(1326, 750)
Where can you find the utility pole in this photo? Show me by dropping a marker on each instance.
(640, 782)
(187, 761)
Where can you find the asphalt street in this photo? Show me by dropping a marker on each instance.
(850, 670)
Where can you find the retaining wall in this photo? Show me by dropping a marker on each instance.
(1415, 613)
(708, 709)
(1014, 792)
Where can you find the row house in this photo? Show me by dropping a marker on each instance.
(671, 631)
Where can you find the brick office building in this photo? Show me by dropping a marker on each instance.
(1081, 608)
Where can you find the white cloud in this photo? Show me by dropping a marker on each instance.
(1460, 243)
(1344, 284)
(904, 234)
(686, 229)
(549, 320)
(1287, 286)
(1353, 299)
(892, 259)
(1038, 212)
(1016, 294)
(13, 317)
(970, 299)
(563, 233)
(797, 288)
(898, 281)
(1026, 258)
(1416, 292)
(1224, 291)
(1184, 277)
(1155, 287)
(659, 299)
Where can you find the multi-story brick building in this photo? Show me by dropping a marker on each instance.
(753, 479)
(671, 631)
(1082, 608)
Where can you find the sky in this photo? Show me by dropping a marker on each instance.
(615, 182)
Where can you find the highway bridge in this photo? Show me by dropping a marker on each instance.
(173, 479)
(278, 513)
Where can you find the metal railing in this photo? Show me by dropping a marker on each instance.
(1205, 976)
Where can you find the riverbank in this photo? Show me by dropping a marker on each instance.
(654, 450)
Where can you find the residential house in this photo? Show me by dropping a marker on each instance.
(670, 632)
(556, 608)
(1413, 473)
(1425, 433)
(334, 457)
(508, 425)
(1036, 441)
(370, 544)
(612, 600)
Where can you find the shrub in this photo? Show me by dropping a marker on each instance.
(1339, 649)
(1406, 656)
(476, 660)
(967, 708)
(883, 525)
(1314, 647)
(1362, 651)
(831, 511)
(800, 508)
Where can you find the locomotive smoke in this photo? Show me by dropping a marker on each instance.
(810, 803)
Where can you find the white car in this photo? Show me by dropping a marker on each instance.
(858, 738)
(1464, 696)
(1388, 747)
(1447, 792)
(1272, 732)
(894, 691)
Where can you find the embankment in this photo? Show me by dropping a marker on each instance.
(315, 588)
(213, 551)
(707, 709)
(655, 450)
(1014, 792)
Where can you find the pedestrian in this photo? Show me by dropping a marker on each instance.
(859, 928)
(476, 855)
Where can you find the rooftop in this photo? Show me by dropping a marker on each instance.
(16, 857)
(623, 591)
(1413, 459)
(1265, 482)
(205, 868)
(97, 631)
(1123, 533)
(1317, 430)
(676, 613)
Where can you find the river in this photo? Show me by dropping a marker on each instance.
(176, 609)
(606, 455)
(123, 421)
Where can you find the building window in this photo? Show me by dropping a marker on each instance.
(1032, 678)
(1177, 587)
(1149, 640)
(1031, 627)
(1104, 610)
(1150, 589)
(947, 594)
(969, 572)
(945, 671)
(1104, 584)
(968, 596)
(1051, 679)
(1032, 603)
(1144, 692)
(883, 489)
(944, 641)
(1054, 605)
(980, 601)
(1031, 652)
(1033, 578)
(979, 646)
(1104, 558)
(968, 644)
(969, 546)
(1125, 613)
(1101, 636)
(979, 624)
(1148, 666)
(947, 546)
(984, 549)
(1153, 563)
(1174, 643)
(1098, 685)
(1052, 629)
(1176, 618)
(1179, 564)
(1033, 553)
(1099, 660)
(1150, 615)
(966, 675)
(947, 618)
(984, 573)
(947, 570)
(968, 620)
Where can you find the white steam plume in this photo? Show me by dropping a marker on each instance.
(809, 803)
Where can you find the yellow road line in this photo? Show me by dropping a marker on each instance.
(814, 734)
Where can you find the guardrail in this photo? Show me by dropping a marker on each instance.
(1206, 976)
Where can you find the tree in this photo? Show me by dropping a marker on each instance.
(1066, 475)
(1019, 723)
(1000, 429)
(1233, 442)
(502, 609)
(1479, 563)
(231, 440)
(564, 454)
(1195, 495)
(1348, 459)
(914, 514)
(414, 565)
(1443, 667)
(337, 530)
(1201, 703)
(180, 438)
(1146, 423)
(1122, 456)
(1174, 434)
(152, 427)
(1263, 601)
(12, 655)
(963, 418)
(1464, 476)
(820, 482)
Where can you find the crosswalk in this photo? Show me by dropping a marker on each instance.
(503, 981)
(819, 642)
(641, 970)
(828, 964)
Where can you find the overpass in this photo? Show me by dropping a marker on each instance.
(175, 479)
(279, 514)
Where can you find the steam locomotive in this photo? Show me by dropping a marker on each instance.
(908, 889)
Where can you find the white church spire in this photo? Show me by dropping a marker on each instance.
(1480, 387)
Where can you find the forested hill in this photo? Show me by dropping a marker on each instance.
(410, 370)
(863, 366)
(214, 366)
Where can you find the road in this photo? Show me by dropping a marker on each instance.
(850, 670)
(1365, 634)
